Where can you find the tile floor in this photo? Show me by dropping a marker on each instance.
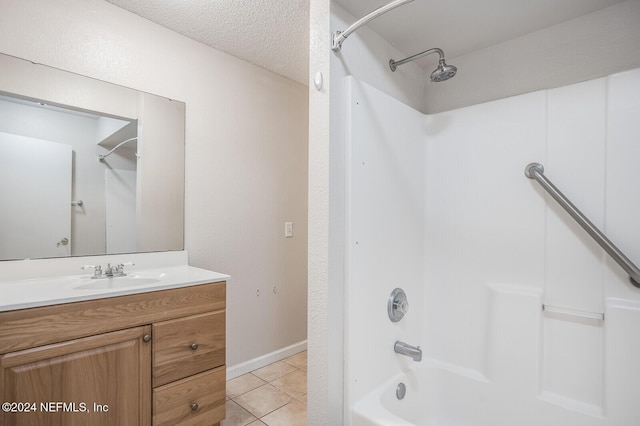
(275, 395)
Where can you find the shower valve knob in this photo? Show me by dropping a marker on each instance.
(397, 305)
(402, 306)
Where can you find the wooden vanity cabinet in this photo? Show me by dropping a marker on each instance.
(151, 358)
(103, 380)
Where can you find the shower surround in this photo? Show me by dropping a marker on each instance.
(440, 206)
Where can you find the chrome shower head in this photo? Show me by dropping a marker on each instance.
(443, 72)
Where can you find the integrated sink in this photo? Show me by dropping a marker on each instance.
(46, 282)
(116, 283)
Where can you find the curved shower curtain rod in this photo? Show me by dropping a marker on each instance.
(340, 36)
(101, 157)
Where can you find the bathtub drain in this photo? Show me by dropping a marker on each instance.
(401, 390)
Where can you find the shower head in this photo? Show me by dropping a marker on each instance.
(442, 72)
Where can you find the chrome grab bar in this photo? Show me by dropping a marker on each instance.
(536, 171)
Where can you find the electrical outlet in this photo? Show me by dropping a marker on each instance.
(288, 229)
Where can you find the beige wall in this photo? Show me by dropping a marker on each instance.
(246, 151)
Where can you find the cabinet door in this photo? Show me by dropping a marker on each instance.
(98, 380)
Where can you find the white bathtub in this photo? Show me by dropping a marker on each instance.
(443, 395)
(434, 396)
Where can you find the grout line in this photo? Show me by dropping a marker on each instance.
(293, 398)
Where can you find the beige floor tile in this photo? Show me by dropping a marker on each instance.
(292, 414)
(243, 384)
(274, 371)
(236, 415)
(298, 360)
(263, 400)
(256, 423)
(294, 383)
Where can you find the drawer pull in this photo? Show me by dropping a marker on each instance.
(194, 346)
(194, 407)
(146, 338)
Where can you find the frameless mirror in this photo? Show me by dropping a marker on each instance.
(86, 167)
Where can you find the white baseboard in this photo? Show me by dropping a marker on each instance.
(264, 360)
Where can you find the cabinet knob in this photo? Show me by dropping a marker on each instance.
(194, 407)
(194, 346)
(146, 338)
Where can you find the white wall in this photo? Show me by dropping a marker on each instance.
(246, 151)
(323, 398)
(584, 48)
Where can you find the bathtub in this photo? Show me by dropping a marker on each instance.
(439, 394)
(435, 396)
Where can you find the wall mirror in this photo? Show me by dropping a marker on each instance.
(86, 167)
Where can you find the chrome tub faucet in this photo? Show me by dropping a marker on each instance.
(413, 352)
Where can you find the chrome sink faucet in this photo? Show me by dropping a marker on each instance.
(413, 352)
(110, 271)
(114, 271)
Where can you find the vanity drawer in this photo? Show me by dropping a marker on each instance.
(186, 346)
(197, 400)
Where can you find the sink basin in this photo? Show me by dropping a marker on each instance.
(115, 283)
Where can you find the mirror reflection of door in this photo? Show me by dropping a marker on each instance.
(35, 177)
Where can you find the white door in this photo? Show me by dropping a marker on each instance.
(35, 198)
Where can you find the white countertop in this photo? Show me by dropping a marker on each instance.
(21, 293)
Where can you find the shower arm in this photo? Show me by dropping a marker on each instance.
(340, 36)
(394, 64)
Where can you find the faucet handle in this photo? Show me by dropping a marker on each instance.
(97, 269)
(401, 306)
(121, 266)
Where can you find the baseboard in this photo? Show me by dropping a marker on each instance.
(264, 360)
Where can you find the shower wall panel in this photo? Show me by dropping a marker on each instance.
(575, 138)
(385, 230)
(490, 230)
(484, 221)
(504, 288)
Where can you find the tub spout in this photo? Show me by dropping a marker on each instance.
(413, 352)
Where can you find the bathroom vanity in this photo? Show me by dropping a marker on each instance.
(141, 352)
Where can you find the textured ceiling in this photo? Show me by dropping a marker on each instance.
(274, 34)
